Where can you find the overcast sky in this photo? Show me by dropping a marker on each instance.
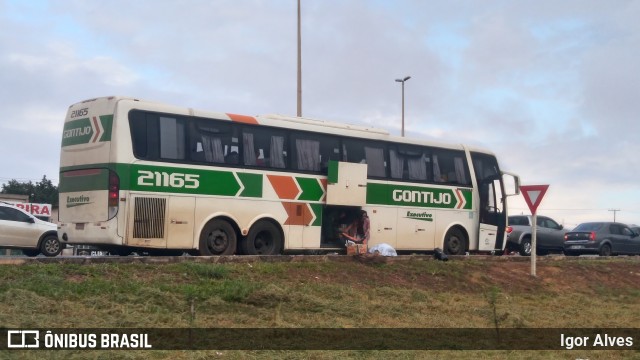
(552, 87)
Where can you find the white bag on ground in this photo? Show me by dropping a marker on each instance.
(383, 249)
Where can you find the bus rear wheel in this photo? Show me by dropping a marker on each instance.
(218, 238)
(264, 238)
(455, 242)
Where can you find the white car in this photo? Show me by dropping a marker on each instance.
(21, 230)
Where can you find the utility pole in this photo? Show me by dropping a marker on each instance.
(614, 213)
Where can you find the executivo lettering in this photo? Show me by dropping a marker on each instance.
(78, 200)
(424, 216)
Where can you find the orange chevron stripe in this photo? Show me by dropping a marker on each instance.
(243, 118)
(285, 186)
(298, 213)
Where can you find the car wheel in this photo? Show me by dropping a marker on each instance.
(31, 253)
(264, 238)
(50, 246)
(218, 238)
(525, 247)
(605, 250)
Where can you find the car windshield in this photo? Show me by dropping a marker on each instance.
(588, 227)
(518, 220)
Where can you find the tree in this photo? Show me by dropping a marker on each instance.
(41, 192)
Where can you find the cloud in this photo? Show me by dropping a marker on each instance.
(549, 86)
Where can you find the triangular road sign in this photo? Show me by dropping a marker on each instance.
(533, 195)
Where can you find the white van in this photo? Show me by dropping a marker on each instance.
(21, 230)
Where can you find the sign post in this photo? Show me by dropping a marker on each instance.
(533, 195)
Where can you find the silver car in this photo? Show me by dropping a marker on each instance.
(549, 235)
(21, 230)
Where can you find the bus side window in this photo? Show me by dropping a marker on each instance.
(313, 152)
(211, 141)
(449, 166)
(371, 153)
(264, 147)
(172, 138)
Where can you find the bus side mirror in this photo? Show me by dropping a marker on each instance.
(511, 183)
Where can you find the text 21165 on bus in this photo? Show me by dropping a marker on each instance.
(143, 176)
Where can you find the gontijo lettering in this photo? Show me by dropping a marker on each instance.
(426, 197)
(81, 131)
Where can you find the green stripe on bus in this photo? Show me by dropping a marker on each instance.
(84, 180)
(418, 196)
(83, 131)
(164, 179)
(252, 185)
(311, 189)
(317, 211)
(332, 172)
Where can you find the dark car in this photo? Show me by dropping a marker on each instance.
(602, 238)
(549, 235)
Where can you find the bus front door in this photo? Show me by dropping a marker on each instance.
(492, 216)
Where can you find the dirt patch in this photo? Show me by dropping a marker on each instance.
(553, 276)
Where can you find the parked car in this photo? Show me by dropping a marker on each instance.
(21, 230)
(602, 238)
(549, 235)
(635, 228)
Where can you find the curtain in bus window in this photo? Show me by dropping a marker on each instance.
(212, 149)
(436, 170)
(375, 161)
(277, 152)
(249, 151)
(172, 139)
(417, 168)
(397, 164)
(460, 173)
(308, 154)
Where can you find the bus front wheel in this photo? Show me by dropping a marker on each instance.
(264, 238)
(455, 242)
(218, 238)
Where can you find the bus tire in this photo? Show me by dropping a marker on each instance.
(454, 242)
(264, 238)
(50, 246)
(218, 238)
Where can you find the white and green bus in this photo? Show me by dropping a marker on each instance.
(143, 176)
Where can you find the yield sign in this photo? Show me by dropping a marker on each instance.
(533, 195)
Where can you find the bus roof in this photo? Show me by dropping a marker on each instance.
(290, 122)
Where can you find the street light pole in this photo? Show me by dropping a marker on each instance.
(402, 81)
(299, 98)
